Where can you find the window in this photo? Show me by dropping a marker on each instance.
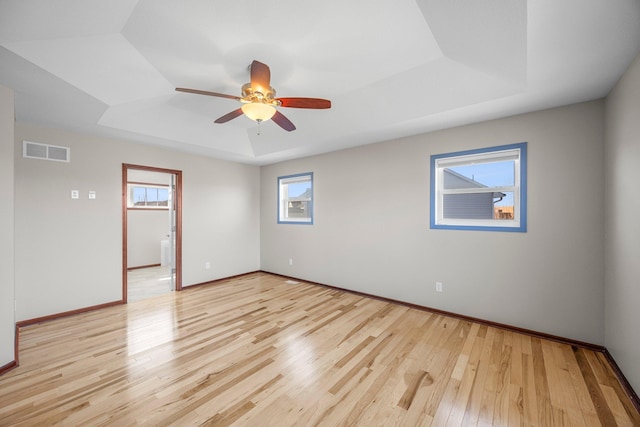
(145, 196)
(482, 189)
(295, 199)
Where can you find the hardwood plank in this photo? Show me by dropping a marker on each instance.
(570, 395)
(587, 410)
(541, 378)
(529, 396)
(616, 406)
(555, 385)
(469, 376)
(604, 412)
(494, 382)
(629, 408)
(474, 406)
(516, 383)
(255, 350)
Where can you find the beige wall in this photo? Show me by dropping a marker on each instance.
(69, 252)
(371, 231)
(145, 230)
(7, 311)
(622, 223)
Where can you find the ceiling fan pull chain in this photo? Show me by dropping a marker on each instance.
(259, 121)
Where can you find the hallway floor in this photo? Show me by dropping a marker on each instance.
(148, 282)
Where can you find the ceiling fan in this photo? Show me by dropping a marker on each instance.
(259, 100)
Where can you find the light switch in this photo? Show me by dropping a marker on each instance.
(92, 194)
(75, 194)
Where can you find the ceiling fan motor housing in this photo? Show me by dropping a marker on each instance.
(249, 94)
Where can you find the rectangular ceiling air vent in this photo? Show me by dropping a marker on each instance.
(36, 150)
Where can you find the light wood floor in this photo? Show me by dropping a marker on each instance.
(258, 351)
(143, 283)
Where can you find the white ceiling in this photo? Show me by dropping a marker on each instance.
(390, 67)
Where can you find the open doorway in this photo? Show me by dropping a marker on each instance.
(151, 231)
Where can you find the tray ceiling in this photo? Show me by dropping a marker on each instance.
(391, 68)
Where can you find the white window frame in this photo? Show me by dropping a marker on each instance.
(283, 200)
(515, 152)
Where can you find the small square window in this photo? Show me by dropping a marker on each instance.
(482, 189)
(295, 199)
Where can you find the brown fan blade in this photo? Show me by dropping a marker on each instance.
(229, 116)
(283, 122)
(204, 92)
(315, 103)
(260, 77)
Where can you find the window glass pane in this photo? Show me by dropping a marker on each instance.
(503, 208)
(489, 205)
(152, 197)
(494, 174)
(299, 189)
(139, 196)
(468, 206)
(163, 197)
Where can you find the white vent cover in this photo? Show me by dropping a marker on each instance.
(35, 150)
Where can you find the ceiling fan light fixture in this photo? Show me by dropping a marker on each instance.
(258, 111)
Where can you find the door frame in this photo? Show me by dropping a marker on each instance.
(177, 199)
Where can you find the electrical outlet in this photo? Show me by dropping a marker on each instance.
(438, 286)
(290, 261)
(207, 265)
